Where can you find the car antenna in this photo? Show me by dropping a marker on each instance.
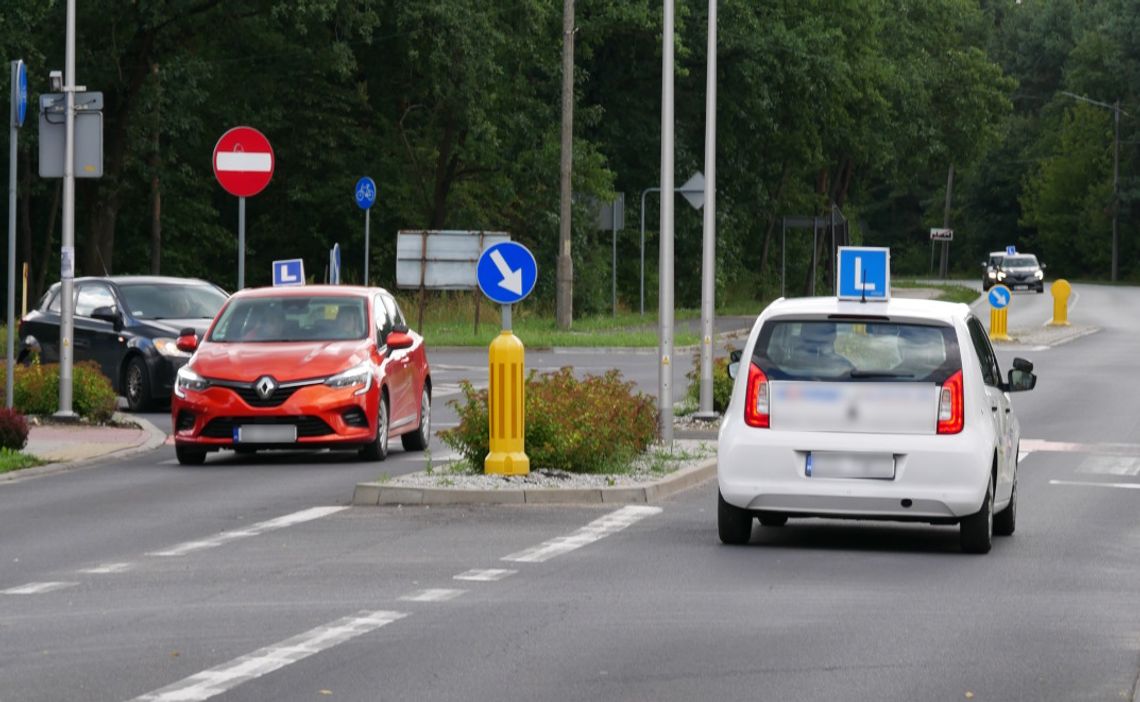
(863, 288)
(102, 262)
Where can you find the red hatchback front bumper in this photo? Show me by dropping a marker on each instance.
(323, 417)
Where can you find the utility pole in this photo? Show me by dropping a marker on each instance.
(708, 255)
(944, 265)
(564, 301)
(665, 266)
(67, 247)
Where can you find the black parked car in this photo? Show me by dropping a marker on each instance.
(129, 326)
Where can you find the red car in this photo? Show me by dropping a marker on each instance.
(311, 366)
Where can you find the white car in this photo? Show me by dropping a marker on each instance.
(891, 410)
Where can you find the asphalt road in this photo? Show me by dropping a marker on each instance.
(253, 581)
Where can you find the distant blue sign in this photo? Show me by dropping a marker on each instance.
(864, 273)
(365, 193)
(1000, 297)
(506, 272)
(289, 272)
(21, 96)
(1010, 250)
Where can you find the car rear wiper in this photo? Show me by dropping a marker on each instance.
(879, 374)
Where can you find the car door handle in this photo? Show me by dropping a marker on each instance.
(1007, 410)
(994, 408)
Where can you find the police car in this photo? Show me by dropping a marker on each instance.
(870, 408)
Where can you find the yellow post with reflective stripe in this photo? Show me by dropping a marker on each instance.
(506, 407)
(1060, 290)
(999, 324)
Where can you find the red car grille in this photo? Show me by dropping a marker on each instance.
(223, 427)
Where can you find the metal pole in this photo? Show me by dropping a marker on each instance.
(708, 254)
(241, 243)
(944, 264)
(506, 317)
(13, 136)
(643, 194)
(783, 256)
(366, 218)
(1116, 192)
(67, 245)
(665, 265)
(613, 258)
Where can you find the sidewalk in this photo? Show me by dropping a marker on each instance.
(65, 446)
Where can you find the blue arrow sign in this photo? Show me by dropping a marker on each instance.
(365, 193)
(1000, 297)
(506, 272)
(289, 272)
(21, 93)
(864, 273)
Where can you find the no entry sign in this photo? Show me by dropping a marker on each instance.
(243, 161)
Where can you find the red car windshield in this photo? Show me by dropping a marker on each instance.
(293, 318)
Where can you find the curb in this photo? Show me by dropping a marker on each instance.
(372, 494)
(155, 438)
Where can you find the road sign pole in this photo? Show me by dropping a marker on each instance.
(665, 265)
(613, 258)
(241, 243)
(367, 213)
(14, 134)
(67, 240)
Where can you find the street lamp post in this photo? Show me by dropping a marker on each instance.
(708, 254)
(1115, 107)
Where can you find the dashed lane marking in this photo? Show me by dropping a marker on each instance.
(225, 537)
(485, 575)
(1084, 483)
(1110, 465)
(107, 568)
(37, 588)
(438, 594)
(1107, 449)
(225, 677)
(594, 531)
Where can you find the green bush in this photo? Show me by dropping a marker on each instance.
(722, 384)
(587, 425)
(37, 390)
(13, 429)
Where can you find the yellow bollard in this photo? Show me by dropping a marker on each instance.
(506, 407)
(1060, 290)
(999, 324)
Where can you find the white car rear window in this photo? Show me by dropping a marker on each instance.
(848, 350)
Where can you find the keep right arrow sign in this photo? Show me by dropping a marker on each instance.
(506, 272)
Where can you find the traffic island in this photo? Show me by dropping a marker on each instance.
(64, 446)
(655, 476)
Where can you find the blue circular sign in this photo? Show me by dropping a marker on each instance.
(506, 272)
(365, 193)
(21, 93)
(1000, 297)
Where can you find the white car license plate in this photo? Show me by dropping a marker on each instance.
(834, 464)
(265, 434)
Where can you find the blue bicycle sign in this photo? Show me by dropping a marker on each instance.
(365, 193)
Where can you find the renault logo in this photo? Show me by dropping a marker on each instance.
(265, 387)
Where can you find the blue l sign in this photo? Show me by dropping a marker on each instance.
(864, 273)
(506, 272)
(1000, 297)
(365, 193)
(289, 272)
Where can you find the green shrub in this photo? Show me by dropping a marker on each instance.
(37, 390)
(587, 425)
(722, 384)
(13, 429)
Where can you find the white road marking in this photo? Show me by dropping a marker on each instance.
(1021, 455)
(107, 568)
(485, 575)
(1110, 465)
(288, 520)
(36, 588)
(1081, 483)
(437, 594)
(594, 531)
(1072, 447)
(225, 677)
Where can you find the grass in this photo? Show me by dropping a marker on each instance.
(16, 460)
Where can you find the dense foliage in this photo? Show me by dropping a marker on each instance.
(453, 107)
(588, 425)
(36, 390)
(13, 429)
